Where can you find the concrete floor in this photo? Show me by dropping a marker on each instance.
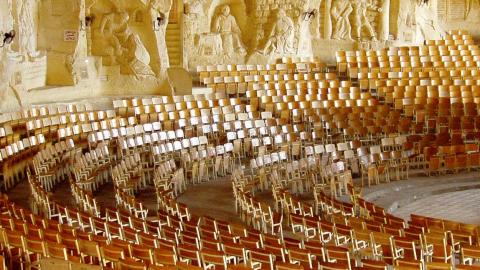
(448, 196)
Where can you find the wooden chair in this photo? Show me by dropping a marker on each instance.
(434, 165)
(55, 250)
(111, 255)
(182, 266)
(88, 249)
(334, 266)
(438, 266)
(189, 253)
(213, 259)
(450, 165)
(34, 249)
(467, 267)
(372, 173)
(361, 240)
(235, 253)
(408, 264)
(303, 257)
(13, 243)
(3, 266)
(372, 264)
(130, 264)
(436, 247)
(261, 258)
(288, 266)
(338, 255)
(405, 248)
(469, 254)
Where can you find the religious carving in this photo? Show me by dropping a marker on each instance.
(126, 48)
(426, 22)
(195, 8)
(406, 21)
(361, 8)
(209, 44)
(226, 25)
(123, 44)
(464, 13)
(27, 29)
(282, 37)
(341, 11)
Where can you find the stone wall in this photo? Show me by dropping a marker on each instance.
(69, 49)
(216, 31)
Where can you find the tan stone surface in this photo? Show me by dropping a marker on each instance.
(59, 55)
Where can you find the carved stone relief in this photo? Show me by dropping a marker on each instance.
(225, 26)
(427, 26)
(342, 29)
(10, 62)
(363, 19)
(282, 36)
(123, 46)
(406, 21)
(278, 28)
(27, 28)
(56, 49)
(431, 19)
(456, 14)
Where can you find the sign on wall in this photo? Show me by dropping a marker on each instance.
(70, 35)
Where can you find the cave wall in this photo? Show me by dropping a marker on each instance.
(315, 28)
(71, 49)
(280, 28)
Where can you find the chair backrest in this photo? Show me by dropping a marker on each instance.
(88, 248)
(131, 264)
(213, 257)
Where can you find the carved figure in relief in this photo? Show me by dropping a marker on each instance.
(194, 21)
(195, 8)
(126, 47)
(209, 44)
(410, 16)
(26, 27)
(341, 11)
(406, 21)
(281, 38)
(361, 8)
(426, 22)
(226, 25)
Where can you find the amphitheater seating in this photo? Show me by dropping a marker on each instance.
(294, 127)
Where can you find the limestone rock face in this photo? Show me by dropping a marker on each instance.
(65, 49)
